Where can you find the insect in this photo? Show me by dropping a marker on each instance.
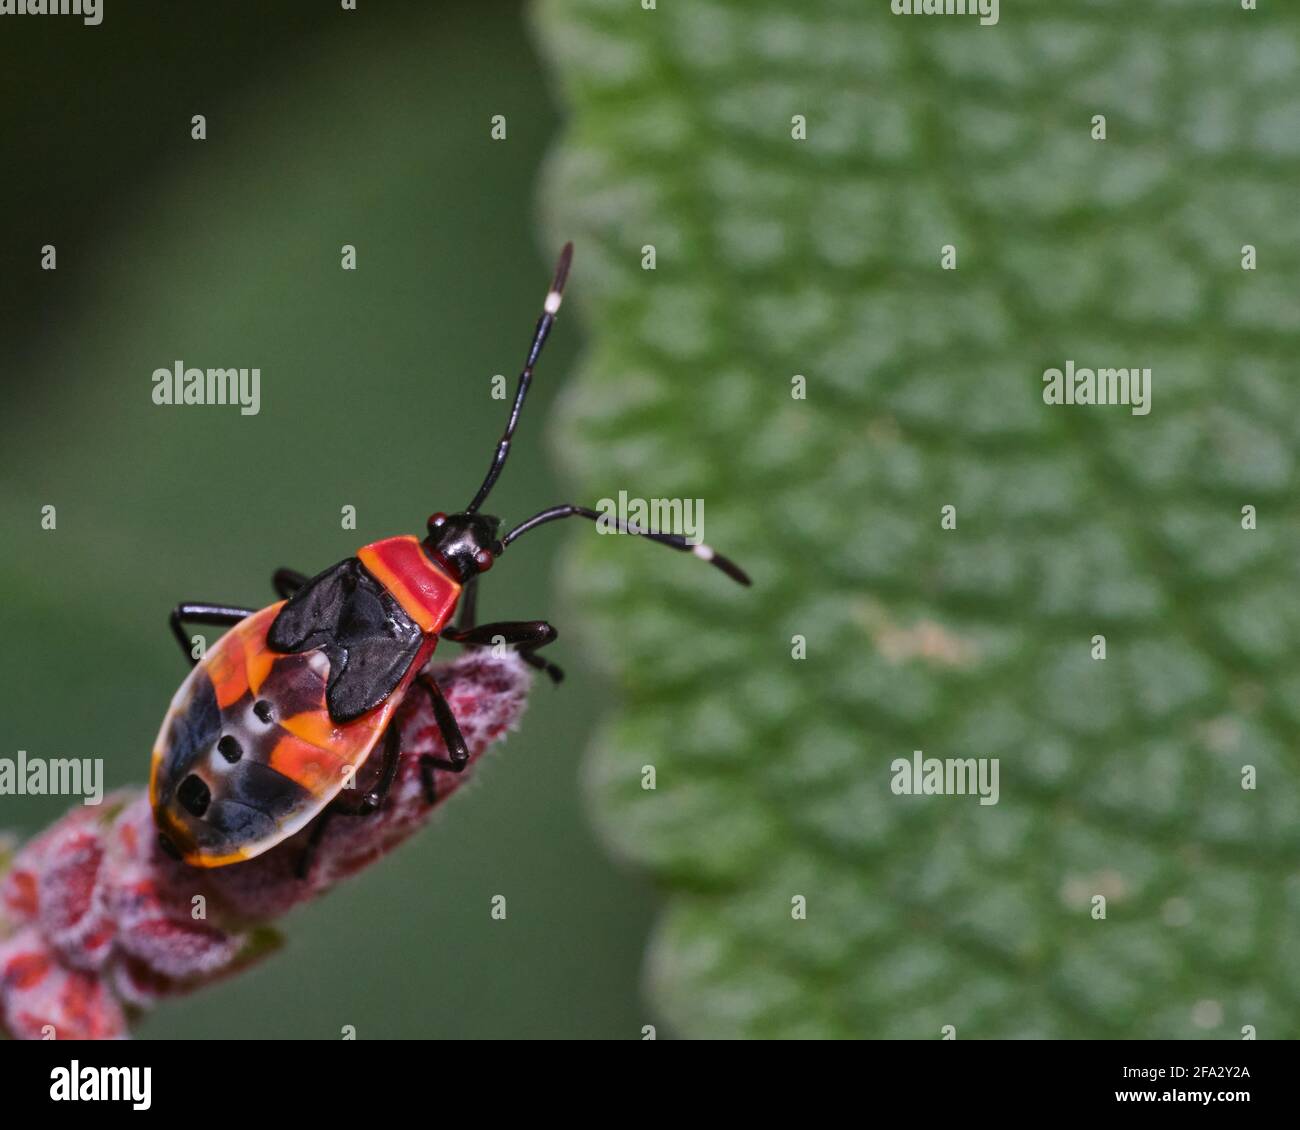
(270, 728)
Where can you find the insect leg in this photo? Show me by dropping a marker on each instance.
(195, 613)
(451, 738)
(368, 804)
(287, 582)
(527, 635)
(468, 615)
(308, 856)
(387, 771)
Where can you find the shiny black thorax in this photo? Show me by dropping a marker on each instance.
(367, 636)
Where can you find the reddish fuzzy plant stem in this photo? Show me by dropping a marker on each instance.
(97, 924)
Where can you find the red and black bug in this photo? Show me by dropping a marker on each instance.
(272, 724)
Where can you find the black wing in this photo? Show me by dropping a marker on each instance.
(367, 636)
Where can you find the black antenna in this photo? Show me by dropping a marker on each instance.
(674, 541)
(550, 308)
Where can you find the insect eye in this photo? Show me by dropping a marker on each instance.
(437, 520)
(483, 559)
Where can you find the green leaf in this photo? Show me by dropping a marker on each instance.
(1119, 777)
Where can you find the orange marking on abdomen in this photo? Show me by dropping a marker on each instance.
(315, 769)
(258, 659)
(260, 662)
(318, 728)
(427, 594)
(226, 669)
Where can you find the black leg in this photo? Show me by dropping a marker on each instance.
(554, 672)
(527, 635)
(308, 856)
(368, 803)
(350, 804)
(219, 614)
(287, 582)
(458, 754)
(468, 615)
(429, 780)
(387, 770)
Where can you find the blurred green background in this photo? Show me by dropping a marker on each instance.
(325, 128)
